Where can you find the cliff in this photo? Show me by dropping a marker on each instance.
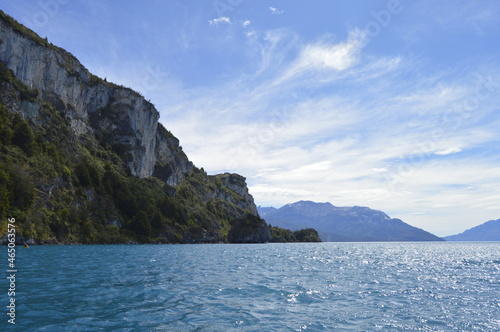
(95, 164)
(113, 114)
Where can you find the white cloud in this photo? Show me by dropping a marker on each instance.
(338, 57)
(326, 56)
(276, 11)
(246, 23)
(220, 20)
(451, 150)
(290, 193)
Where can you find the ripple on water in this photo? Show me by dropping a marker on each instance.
(295, 287)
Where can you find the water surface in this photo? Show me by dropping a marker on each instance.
(268, 287)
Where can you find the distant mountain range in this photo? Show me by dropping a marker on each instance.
(343, 224)
(489, 231)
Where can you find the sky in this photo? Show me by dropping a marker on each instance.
(392, 104)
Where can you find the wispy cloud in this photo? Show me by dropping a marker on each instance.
(451, 150)
(467, 15)
(276, 11)
(220, 20)
(323, 56)
(246, 23)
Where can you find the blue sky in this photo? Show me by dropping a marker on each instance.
(388, 104)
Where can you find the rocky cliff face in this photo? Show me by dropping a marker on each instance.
(114, 114)
(171, 162)
(237, 184)
(94, 165)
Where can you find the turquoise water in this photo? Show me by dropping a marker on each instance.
(268, 287)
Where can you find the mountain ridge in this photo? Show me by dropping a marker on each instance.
(488, 231)
(333, 223)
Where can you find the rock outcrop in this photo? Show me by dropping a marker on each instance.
(237, 184)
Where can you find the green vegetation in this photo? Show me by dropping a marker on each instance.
(307, 235)
(25, 93)
(285, 235)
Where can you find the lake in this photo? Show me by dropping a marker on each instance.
(428, 286)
